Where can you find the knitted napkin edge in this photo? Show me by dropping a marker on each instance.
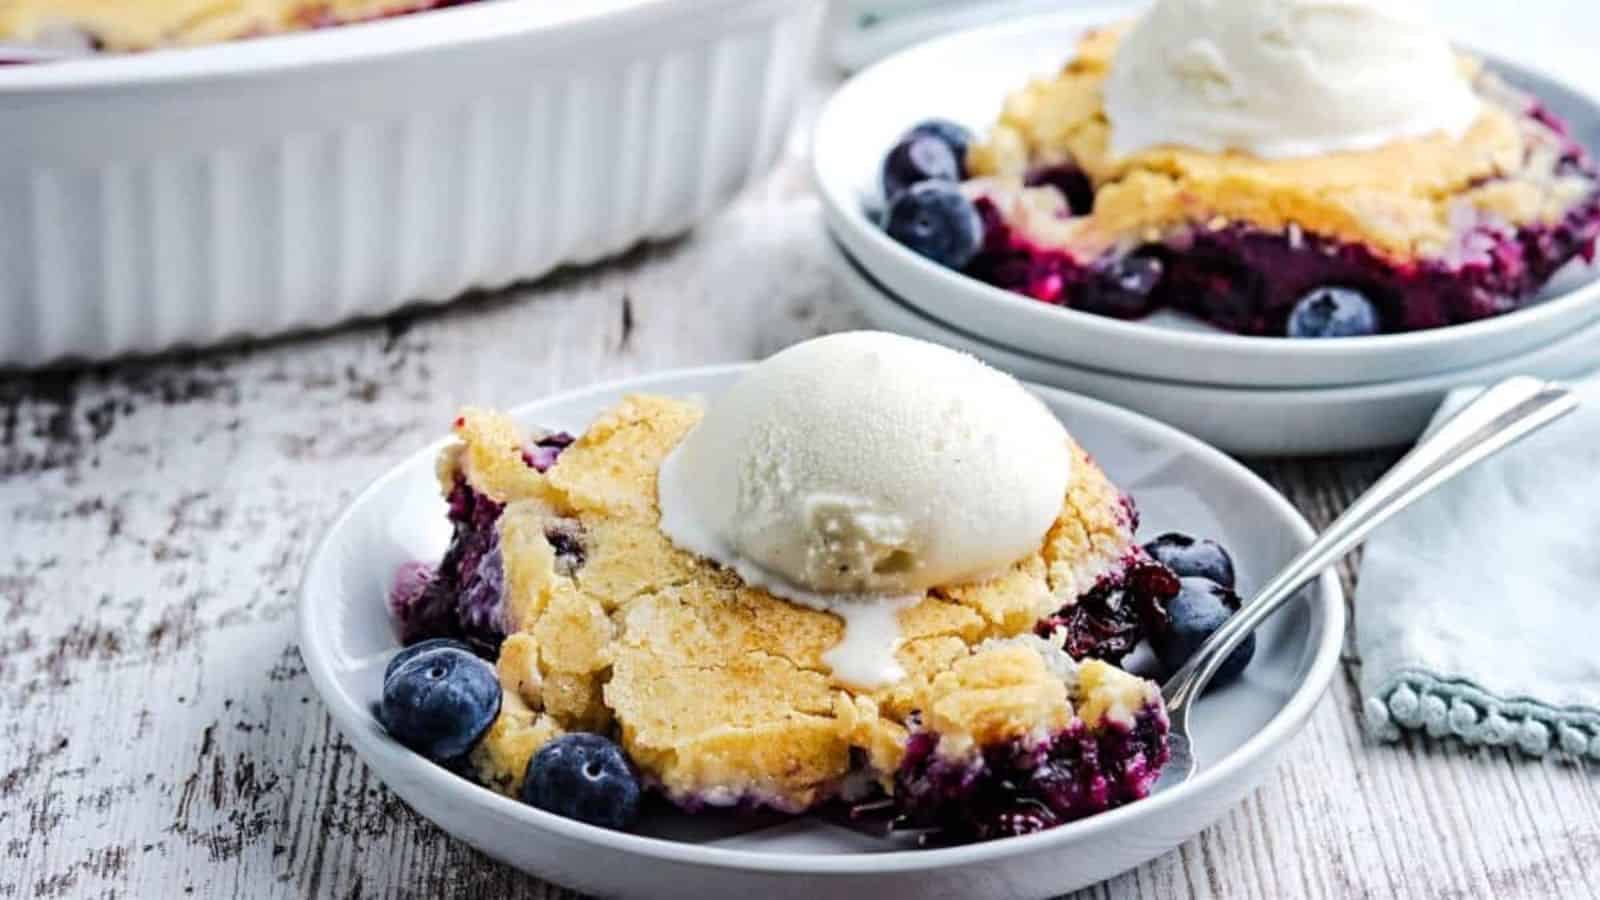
(1417, 700)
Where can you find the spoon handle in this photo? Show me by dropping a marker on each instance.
(1496, 419)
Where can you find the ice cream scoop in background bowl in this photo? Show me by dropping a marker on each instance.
(320, 176)
(1280, 80)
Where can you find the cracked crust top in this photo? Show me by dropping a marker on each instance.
(1402, 199)
(718, 690)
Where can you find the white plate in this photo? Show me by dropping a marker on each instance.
(346, 639)
(290, 182)
(1246, 421)
(965, 77)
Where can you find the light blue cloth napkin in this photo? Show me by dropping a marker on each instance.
(1478, 609)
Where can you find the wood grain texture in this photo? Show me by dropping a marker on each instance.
(159, 736)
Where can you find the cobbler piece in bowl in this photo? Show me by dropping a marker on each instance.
(717, 691)
(1420, 231)
(978, 707)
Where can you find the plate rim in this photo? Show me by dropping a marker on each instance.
(380, 755)
(843, 213)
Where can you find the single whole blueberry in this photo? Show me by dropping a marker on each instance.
(916, 159)
(585, 777)
(938, 221)
(1193, 557)
(415, 650)
(440, 701)
(1201, 607)
(1333, 312)
(954, 136)
(1124, 288)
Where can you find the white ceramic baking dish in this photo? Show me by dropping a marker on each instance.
(191, 196)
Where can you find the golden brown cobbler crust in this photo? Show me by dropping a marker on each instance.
(1399, 198)
(718, 690)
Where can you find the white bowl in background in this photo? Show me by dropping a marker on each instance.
(1244, 421)
(965, 77)
(290, 182)
(1180, 483)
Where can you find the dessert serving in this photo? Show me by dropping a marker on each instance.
(1274, 167)
(126, 25)
(874, 576)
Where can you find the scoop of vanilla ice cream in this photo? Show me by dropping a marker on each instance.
(866, 464)
(1283, 78)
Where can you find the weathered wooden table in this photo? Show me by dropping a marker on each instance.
(159, 736)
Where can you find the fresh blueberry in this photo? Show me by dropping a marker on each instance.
(585, 777)
(440, 701)
(1333, 312)
(938, 221)
(1193, 558)
(916, 159)
(1124, 288)
(954, 136)
(415, 650)
(1201, 607)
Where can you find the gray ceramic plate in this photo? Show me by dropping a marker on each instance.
(1179, 483)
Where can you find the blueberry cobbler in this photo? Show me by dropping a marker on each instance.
(1267, 166)
(149, 24)
(626, 664)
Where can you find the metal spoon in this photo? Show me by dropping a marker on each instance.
(1498, 418)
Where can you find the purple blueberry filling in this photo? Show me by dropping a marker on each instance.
(566, 539)
(1219, 275)
(463, 599)
(1074, 186)
(408, 590)
(1021, 787)
(481, 603)
(464, 596)
(543, 453)
(1110, 619)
